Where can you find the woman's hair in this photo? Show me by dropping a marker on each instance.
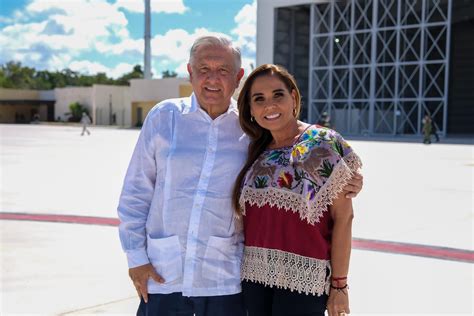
(260, 137)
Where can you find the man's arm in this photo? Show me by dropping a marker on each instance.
(133, 209)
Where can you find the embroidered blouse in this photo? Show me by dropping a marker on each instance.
(284, 199)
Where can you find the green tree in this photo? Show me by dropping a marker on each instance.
(76, 109)
(169, 74)
(136, 73)
(14, 75)
(17, 77)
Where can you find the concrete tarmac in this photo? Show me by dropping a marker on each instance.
(415, 197)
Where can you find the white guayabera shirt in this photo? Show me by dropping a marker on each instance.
(175, 207)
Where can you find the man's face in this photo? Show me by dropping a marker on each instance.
(214, 77)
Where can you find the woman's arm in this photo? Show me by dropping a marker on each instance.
(342, 215)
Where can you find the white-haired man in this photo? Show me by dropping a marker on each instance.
(178, 228)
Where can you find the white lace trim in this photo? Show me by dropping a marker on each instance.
(311, 211)
(286, 270)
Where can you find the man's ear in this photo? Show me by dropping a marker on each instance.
(190, 71)
(240, 74)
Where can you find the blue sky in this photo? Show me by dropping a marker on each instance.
(93, 36)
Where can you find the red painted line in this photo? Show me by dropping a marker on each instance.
(428, 251)
(435, 252)
(73, 219)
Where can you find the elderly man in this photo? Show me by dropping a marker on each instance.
(178, 228)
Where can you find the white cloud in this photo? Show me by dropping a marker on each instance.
(92, 68)
(246, 20)
(246, 31)
(174, 47)
(119, 70)
(158, 6)
(87, 67)
(71, 28)
(182, 70)
(126, 46)
(59, 61)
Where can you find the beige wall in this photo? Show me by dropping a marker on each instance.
(184, 90)
(119, 97)
(144, 94)
(66, 96)
(19, 94)
(156, 89)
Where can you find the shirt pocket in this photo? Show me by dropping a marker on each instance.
(165, 256)
(221, 259)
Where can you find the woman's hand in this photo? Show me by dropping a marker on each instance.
(338, 302)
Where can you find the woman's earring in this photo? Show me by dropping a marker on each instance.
(252, 119)
(294, 112)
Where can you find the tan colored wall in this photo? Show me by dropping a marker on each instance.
(8, 112)
(156, 89)
(18, 94)
(185, 90)
(145, 106)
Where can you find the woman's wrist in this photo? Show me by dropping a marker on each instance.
(340, 289)
(338, 281)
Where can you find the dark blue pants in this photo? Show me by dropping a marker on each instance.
(260, 300)
(175, 304)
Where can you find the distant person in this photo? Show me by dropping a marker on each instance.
(36, 119)
(427, 129)
(85, 121)
(290, 193)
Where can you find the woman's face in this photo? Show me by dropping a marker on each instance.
(271, 104)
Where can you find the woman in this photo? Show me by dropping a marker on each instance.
(297, 221)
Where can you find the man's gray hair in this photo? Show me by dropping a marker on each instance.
(215, 40)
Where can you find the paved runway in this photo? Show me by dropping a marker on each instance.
(60, 253)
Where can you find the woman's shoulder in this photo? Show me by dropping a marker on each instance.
(316, 137)
(320, 135)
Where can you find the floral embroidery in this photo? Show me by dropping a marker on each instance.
(278, 156)
(311, 192)
(285, 180)
(326, 169)
(302, 173)
(261, 182)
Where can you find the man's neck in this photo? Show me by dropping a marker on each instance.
(215, 111)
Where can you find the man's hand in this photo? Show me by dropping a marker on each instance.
(354, 185)
(140, 276)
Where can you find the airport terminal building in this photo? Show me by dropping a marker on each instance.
(376, 66)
